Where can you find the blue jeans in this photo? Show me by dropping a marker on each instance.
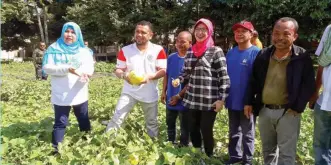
(322, 136)
(61, 120)
(241, 136)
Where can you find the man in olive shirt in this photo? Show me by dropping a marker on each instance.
(38, 59)
(281, 84)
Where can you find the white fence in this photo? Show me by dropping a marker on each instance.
(15, 55)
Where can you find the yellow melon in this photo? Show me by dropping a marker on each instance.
(135, 79)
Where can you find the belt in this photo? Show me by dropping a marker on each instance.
(274, 106)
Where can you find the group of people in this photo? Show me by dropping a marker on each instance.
(199, 80)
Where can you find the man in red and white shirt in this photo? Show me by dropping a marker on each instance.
(144, 58)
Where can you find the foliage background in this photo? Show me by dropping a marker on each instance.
(107, 22)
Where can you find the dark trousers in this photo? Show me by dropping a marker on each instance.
(171, 117)
(39, 73)
(61, 120)
(241, 136)
(201, 127)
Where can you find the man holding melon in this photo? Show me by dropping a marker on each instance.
(140, 64)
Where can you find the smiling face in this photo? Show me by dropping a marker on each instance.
(142, 34)
(242, 35)
(70, 36)
(183, 41)
(201, 32)
(284, 34)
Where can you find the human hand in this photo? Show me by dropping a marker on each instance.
(147, 78)
(248, 109)
(73, 71)
(218, 105)
(312, 101)
(174, 100)
(84, 78)
(126, 78)
(163, 97)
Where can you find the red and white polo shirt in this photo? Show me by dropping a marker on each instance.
(143, 63)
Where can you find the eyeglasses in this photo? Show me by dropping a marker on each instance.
(201, 30)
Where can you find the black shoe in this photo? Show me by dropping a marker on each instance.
(233, 161)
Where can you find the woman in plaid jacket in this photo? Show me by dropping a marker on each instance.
(207, 85)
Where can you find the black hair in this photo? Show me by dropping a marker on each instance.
(145, 23)
(287, 19)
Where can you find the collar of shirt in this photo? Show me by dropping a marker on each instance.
(284, 58)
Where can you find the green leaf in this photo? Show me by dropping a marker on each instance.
(169, 158)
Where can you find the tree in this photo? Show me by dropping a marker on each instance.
(113, 21)
(312, 17)
(19, 22)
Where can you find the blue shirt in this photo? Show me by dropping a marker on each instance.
(239, 63)
(175, 64)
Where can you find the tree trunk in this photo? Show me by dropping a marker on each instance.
(45, 10)
(42, 37)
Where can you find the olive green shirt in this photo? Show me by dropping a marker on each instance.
(275, 87)
(37, 56)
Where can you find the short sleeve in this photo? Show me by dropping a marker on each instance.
(121, 60)
(323, 39)
(161, 60)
